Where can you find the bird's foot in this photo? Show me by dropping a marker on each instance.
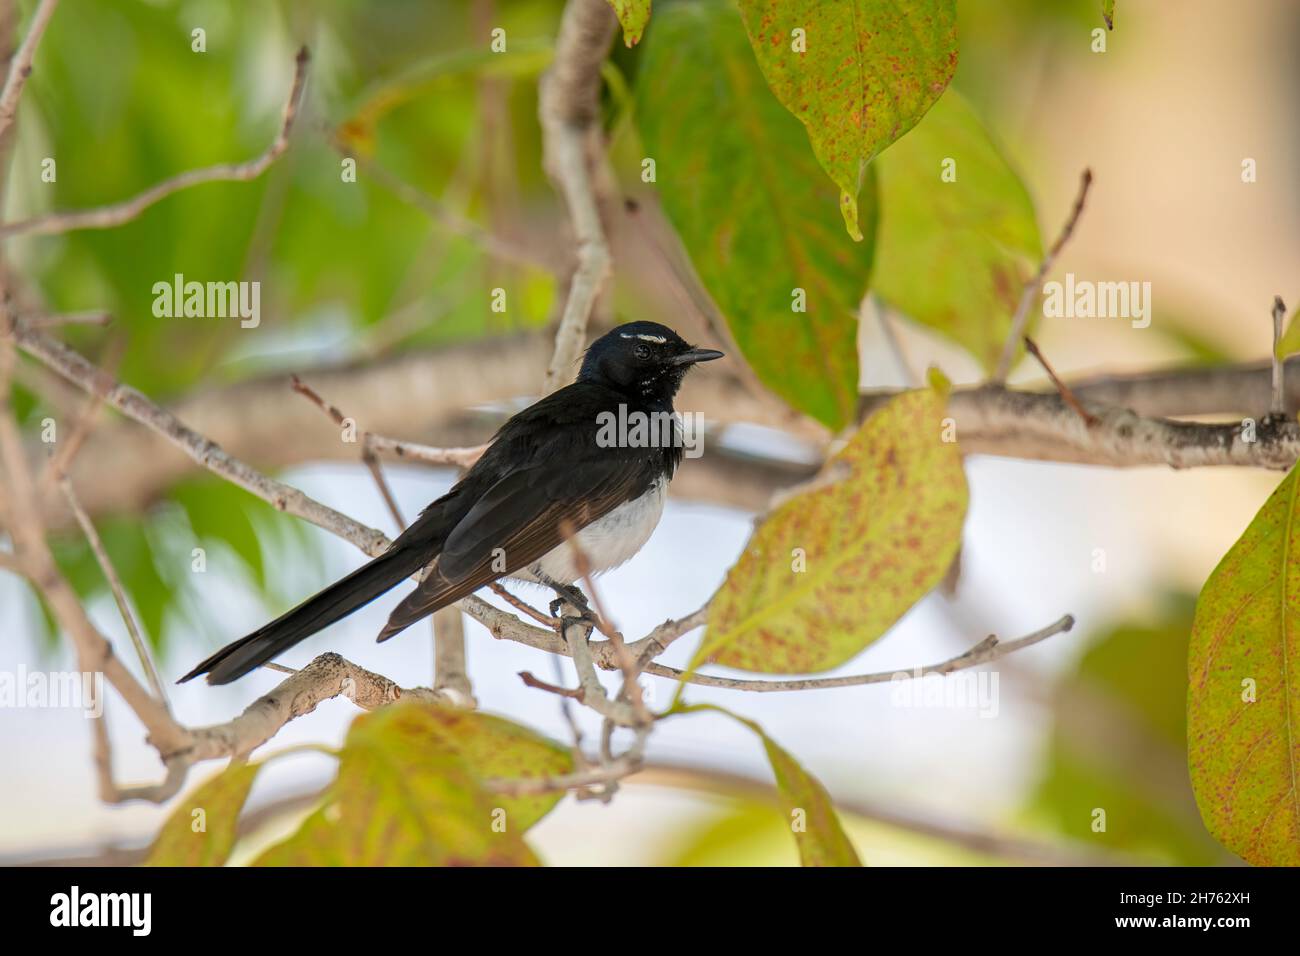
(572, 596)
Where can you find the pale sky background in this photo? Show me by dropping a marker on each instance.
(1164, 118)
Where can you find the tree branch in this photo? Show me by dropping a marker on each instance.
(1029, 295)
(20, 67)
(989, 649)
(106, 217)
(568, 108)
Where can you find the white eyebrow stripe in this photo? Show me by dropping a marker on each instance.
(657, 339)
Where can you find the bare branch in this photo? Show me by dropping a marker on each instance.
(498, 247)
(1062, 389)
(568, 108)
(53, 319)
(426, 454)
(989, 649)
(1278, 405)
(106, 217)
(1020, 321)
(326, 677)
(20, 67)
(94, 652)
(115, 584)
(450, 677)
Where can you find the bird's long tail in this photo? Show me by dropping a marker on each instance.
(334, 603)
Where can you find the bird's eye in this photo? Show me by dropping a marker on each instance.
(642, 352)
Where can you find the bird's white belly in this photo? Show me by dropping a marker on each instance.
(607, 542)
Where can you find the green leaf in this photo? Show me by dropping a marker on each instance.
(1108, 13)
(806, 804)
(1289, 343)
(955, 256)
(832, 569)
(633, 15)
(1243, 702)
(859, 76)
(220, 800)
(1119, 743)
(753, 210)
(218, 511)
(409, 793)
(493, 747)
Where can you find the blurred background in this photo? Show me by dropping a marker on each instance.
(361, 275)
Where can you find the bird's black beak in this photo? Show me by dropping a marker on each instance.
(697, 355)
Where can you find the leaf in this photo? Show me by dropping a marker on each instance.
(1244, 755)
(218, 511)
(871, 545)
(221, 799)
(1289, 343)
(633, 15)
(806, 804)
(1108, 13)
(753, 210)
(494, 747)
(409, 793)
(859, 76)
(955, 256)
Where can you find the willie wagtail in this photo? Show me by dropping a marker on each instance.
(548, 471)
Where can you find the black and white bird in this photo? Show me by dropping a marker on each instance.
(549, 472)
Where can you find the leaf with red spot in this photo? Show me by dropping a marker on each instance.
(958, 235)
(1243, 698)
(411, 792)
(832, 569)
(632, 15)
(857, 73)
(753, 210)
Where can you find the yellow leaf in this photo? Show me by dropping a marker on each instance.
(1243, 697)
(202, 829)
(410, 793)
(832, 569)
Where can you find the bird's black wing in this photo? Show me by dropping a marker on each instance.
(519, 519)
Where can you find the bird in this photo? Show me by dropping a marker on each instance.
(555, 469)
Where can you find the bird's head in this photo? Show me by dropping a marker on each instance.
(645, 359)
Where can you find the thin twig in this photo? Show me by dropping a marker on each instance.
(367, 455)
(572, 693)
(61, 459)
(115, 584)
(20, 67)
(1029, 295)
(427, 454)
(989, 649)
(1278, 405)
(523, 606)
(94, 652)
(115, 214)
(497, 246)
(1067, 396)
(54, 319)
